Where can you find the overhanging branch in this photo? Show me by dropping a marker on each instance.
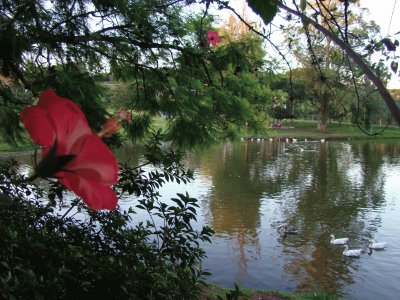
(353, 55)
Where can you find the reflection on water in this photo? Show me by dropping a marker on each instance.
(349, 189)
(249, 190)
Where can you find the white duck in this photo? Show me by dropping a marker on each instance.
(352, 253)
(341, 241)
(376, 245)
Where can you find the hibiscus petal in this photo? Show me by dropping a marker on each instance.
(67, 119)
(94, 160)
(37, 123)
(94, 194)
(50, 100)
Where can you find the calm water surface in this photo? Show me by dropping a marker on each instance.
(248, 190)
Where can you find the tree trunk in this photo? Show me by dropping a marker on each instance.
(323, 123)
(328, 53)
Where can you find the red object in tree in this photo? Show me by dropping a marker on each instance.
(110, 127)
(213, 38)
(125, 115)
(71, 152)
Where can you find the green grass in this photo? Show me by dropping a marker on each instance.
(308, 129)
(159, 122)
(211, 291)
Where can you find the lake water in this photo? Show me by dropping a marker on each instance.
(248, 190)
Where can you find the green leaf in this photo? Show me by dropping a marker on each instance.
(305, 22)
(303, 5)
(394, 66)
(264, 8)
(390, 46)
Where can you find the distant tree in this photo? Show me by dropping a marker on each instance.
(333, 29)
(279, 113)
(234, 29)
(295, 89)
(328, 68)
(396, 94)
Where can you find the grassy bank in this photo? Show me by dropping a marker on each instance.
(301, 129)
(291, 129)
(307, 129)
(212, 291)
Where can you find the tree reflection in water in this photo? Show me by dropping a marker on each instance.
(322, 188)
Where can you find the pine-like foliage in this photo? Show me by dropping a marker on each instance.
(156, 54)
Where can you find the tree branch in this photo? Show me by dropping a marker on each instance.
(353, 55)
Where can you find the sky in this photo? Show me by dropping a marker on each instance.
(385, 13)
(382, 12)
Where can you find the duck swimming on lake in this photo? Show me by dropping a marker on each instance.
(290, 230)
(340, 241)
(376, 245)
(351, 253)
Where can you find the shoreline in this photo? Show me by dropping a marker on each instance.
(212, 291)
(292, 138)
(257, 138)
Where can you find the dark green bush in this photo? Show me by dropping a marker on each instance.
(48, 255)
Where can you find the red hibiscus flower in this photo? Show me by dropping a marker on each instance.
(71, 152)
(213, 38)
